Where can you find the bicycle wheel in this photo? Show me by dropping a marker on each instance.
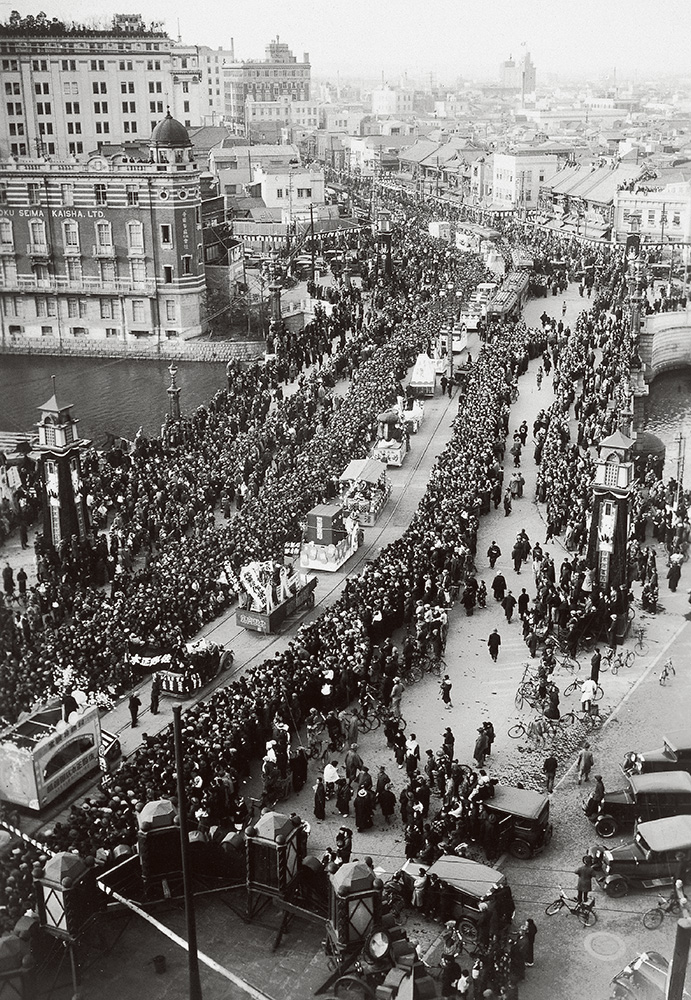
(570, 688)
(571, 664)
(366, 725)
(554, 907)
(567, 719)
(374, 722)
(599, 693)
(629, 658)
(615, 667)
(518, 700)
(631, 612)
(588, 917)
(652, 919)
(515, 732)
(641, 648)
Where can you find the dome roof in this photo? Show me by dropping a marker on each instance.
(170, 132)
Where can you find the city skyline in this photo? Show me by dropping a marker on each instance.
(443, 39)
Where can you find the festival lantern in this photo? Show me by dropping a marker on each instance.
(354, 905)
(67, 895)
(158, 843)
(275, 848)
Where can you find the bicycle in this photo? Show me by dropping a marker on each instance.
(584, 911)
(640, 647)
(653, 918)
(622, 659)
(575, 685)
(532, 730)
(667, 671)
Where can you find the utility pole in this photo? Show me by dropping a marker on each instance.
(195, 990)
(677, 970)
(312, 240)
(680, 441)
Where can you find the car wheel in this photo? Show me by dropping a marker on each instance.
(606, 826)
(468, 930)
(618, 888)
(520, 849)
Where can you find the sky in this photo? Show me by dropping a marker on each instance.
(446, 38)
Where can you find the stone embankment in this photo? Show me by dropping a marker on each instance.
(167, 350)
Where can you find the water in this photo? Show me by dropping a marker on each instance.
(668, 414)
(110, 396)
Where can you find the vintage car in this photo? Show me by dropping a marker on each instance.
(649, 860)
(649, 796)
(645, 978)
(673, 755)
(524, 828)
(471, 883)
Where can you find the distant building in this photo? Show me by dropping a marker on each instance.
(235, 165)
(291, 190)
(518, 75)
(265, 119)
(211, 63)
(109, 249)
(662, 206)
(68, 92)
(392, 101)
(518, 177)
(278, 75)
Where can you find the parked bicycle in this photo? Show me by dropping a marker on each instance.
(621, 659)
(575, 685)
(640, 646)
(537, 728)
(584, 911)
(667, 672)
(653, 918)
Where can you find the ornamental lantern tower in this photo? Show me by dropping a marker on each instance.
(354, 906)
(609, 526)
(59, 445)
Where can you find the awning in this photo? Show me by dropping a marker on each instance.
(367, 470)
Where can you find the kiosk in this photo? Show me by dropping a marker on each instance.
(365, 490)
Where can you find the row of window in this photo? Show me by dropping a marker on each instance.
(100, 192)
(301, 192)
(46, 307)
(103, 233)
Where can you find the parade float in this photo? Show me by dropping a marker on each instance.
(271, 593)
(331, 537)
(365, 490)
(180, 668)
(423, 381)
(43, 755)
(392, 437)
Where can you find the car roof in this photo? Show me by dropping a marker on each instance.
(661, 781)
(519, 801)
(670, 834)
(468, 876)
(680, 739)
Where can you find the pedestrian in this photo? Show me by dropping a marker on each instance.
(320, 799)
(8, 579)
(387, 803)
(134, 705)
(419, 887)
(23, 535)
(673, 576)
(493, 553)
(507, 502)
(363, 810)
(445, 689)
(489, 729)
(523, 603)
(530, 929)
(584, 763)
(155, 693)
(396, 695)
(493, 644)
(481, 747)
(21, 581)
(353, 763)
(596, 798)
(450, 973)
(588, 692)
(595, 661)
(343, 796)
(550, 770)
(499, 587)
(585, 880)
(517, 555)
(508, 604)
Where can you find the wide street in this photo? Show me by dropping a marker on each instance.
(570, 962)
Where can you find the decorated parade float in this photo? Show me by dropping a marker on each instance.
(272, 592)
(392, 437)
(365, 488)
(331, 537)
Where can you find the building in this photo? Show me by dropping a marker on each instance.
(278, 75)
(519, 175)
(265, 119)
(234, 165)
(68, 91)
(292, 190)
(211, 63)
(392, 101)
(518, 75)
(109, 249)
(662, 207)
(372, 155)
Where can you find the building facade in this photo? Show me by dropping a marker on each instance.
(518, 177)
(65, 94)
(392, 101)
(211, 63)
(107, 249)
(234, 165)
(278, 75)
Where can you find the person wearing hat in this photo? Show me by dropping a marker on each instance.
(481, 747)
(353, 763)
(363, 810)
(493, 644)
(396, 696)
(134, 705)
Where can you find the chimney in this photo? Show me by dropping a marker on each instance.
(305, 57)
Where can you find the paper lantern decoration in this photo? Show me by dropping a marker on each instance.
(66, 894)
(275, 848)
(354, 904)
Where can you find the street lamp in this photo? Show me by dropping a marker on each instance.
(385, 233)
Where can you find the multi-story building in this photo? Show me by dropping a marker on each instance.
(69, 90)
(278, 75)
(392, 101)
(292, 189)
(518, 75)
(211, 63)
(518, 176)
(280, 113)
(106, 249)
(662, 207)
(234, 165)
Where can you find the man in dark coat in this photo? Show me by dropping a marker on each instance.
(134, 705)
(493, 644)
(493, 553)
(363, 810)
(499, 587)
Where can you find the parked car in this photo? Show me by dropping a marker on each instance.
(648, 797)
(645, 978)
(471, 884)
(650, 860)
(523, 820)
(673, 755)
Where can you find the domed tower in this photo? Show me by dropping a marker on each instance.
(170, 142)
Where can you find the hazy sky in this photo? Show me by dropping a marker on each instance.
(445, 37)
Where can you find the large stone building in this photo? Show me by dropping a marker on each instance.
(69, 89)
(278, 75)
(211, 63)
(109, 249)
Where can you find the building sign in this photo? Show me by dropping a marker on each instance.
(185, 231)
(55, 213)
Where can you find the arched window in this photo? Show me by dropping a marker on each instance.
(37, 230)
(135, 235)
